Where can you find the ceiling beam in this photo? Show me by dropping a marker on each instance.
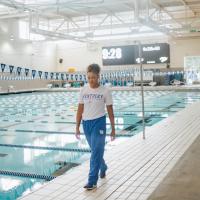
(57, 35)
(186, 4)
(152, 24)
(159, 6)
(60, 25)
(14, 15)
(102, 27)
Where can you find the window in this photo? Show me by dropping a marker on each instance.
(24, 32)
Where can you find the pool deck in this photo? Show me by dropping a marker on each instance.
(136, 167)
(136, 88)
(183, 180)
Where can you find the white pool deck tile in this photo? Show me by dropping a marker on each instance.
(136, 166)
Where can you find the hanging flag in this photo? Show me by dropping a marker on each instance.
(26, 71)
(62, 76)
(40, 74)
(46, 75)
(67, 76)
(72, 77)
(33, 73)
(3, 66)
(11, 68)
(76, 77)
(52, 74)
(57, 76)
(80, 77)
(19, 69)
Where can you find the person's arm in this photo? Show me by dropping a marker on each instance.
(112, 120)
(78, 119)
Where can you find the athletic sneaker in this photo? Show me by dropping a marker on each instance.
(90, 187)
(103, 173)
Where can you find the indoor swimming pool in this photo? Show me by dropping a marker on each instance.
(37, 140)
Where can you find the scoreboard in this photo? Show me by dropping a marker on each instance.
(127, 55)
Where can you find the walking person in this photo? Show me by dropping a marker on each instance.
(91, 110)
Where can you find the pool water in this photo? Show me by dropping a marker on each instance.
(37, 132)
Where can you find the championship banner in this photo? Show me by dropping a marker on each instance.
(62, 76)
(33, 73)
(19, 69)
(76, 77)
(11, 67)
(57, 76)
(46, 75)
(26, 71)
(40, 74)
(67, 77)
(3, 66)
(52, 74)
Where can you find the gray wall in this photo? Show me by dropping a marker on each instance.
(23, 84)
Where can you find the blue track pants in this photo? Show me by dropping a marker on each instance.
(95, 132)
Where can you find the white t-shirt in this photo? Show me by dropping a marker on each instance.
(94, 100)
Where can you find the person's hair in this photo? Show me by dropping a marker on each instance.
(95, 68)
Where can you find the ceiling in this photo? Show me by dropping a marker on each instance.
(93, 20)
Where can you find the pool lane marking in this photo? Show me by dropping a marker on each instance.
(118, 134)
(27, 175)
(66, 122)
(135, 111)
(21, 122)
(84, 150)
(137, 103)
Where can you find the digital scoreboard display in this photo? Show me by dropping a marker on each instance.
(127, 55)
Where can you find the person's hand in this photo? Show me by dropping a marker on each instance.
(78, 134)
(112, 135)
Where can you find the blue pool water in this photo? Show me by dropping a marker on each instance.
(37, 132)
